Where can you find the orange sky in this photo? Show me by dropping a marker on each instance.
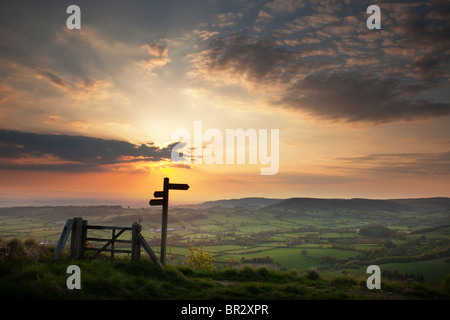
(90, 113)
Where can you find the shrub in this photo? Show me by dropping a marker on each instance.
(446, 283)
(15, 248)
(4, 250)
(28, 249)
(199, 259)
(343, 280)
(230, 274)
(312, 275)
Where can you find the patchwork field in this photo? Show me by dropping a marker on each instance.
(411, 238)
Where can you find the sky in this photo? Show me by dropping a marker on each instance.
(90, 113)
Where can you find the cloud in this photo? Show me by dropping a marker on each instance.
(278, 8)
(227, 20)
(55, 152)
(283, 6)
(159, 56)
(303, 23)
(79, 89)
(355, 97)
(362, 61)
(420, 36)
(422, 24)
(332, 67)
(429, 67)
(328, 6)
(252, 60)
(113, 58)
(85, 76)
(204, 34)
(263, 17)
(437, 163)
(340, 95)
(69, 60)
(258, 59)
(308, 39)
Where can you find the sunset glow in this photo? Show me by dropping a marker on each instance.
(90, 113)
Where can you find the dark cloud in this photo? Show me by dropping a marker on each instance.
(375, 77)
(430, 68)
(77, 153)
(358, 97)
(347, 95)
(255, 59)
(259, 59)
(424, 24)
(426, 28)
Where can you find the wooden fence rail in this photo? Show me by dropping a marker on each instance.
(79, 227)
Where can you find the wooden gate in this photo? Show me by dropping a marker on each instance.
(79, 227)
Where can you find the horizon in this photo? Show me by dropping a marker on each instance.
(326, 107)
(138, 204)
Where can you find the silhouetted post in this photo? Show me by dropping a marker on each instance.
(78, 238)
(83, 237)
(63, 238)
(113, 236)
(165, 218)
(135, 243)
(164, 202)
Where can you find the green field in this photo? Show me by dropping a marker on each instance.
(431, 269)
(296, 235)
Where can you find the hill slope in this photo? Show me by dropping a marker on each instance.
(420, 206)
(251, 202)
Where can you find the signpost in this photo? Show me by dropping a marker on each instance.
(158, 194)
(178, 186)
(164, 202)
(156, 202)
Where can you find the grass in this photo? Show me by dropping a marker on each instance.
(432, 270)
(27, 271)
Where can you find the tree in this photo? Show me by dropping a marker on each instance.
(376, 231)
(389, 244)
(199, 259)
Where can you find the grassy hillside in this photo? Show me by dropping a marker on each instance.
(28, 272)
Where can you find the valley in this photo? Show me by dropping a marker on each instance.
(408, 237)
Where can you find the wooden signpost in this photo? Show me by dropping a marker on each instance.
(164, 202)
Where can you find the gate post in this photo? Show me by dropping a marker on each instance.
(78, 240)
(135, 243)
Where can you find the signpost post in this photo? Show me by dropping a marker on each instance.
(164, 202)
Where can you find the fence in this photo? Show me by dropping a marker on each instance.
(79, 227)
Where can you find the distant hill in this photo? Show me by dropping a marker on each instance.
(419, 206)
(427, 205)
(252, 202)
(298, 205)
(301, 204)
